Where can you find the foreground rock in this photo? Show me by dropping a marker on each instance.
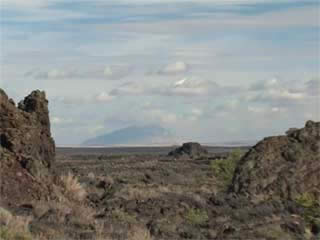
(27, 150)
(190, 149)
(25, 131)
(281, 167)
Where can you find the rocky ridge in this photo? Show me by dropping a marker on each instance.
(27, 150)
(281, 167)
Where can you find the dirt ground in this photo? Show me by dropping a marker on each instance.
(145, 193)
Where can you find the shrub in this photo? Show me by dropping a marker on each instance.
(197, 216)
(122, 216)
(223, 169)
(308, 200)
(272, 232)
(7, 233)
(139, 233)
(5, 216)
(14, 227)
(311, 203)
(72, 188)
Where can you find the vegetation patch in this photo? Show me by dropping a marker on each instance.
(273, 233)
(123, 216)
(72, 188)
(14, 227)
(311, 204)
(223, 169)
(197, 216)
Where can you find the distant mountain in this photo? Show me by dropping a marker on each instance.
(133, 135)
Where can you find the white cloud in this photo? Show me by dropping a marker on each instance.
(188, 86)
(112, 72)
(180, 82)
(104, 97)
(128, 89)
(313, 87)
(23, 3)
(108, 71)
(215, 2)
(175, 68)
(49, 74)
(60, 121)
(279, 95)
(287, 95)
(195, 86)
(115, 72)
(161, 116)
(278, 109)
(262, 85)
(274, 91)
(195, 114)
(255, 109)
(293, 17)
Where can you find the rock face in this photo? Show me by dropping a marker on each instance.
(190, 149)
(25, 132)
(281, 167)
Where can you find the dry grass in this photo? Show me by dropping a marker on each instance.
(139, 233)
(14, 227)
(91, 175)
(122, 216)
(132, 192)
(5, 216)
(273, 233)
(72, 188)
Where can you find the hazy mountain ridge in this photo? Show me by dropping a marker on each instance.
(151, 134)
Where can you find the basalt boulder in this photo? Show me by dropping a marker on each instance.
(281, 167)
(190, 149)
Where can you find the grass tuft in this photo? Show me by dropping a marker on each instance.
(139, 233)
(72, 188)
(14, 227)
(197, 216)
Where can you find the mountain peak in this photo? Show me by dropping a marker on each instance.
(133, 135)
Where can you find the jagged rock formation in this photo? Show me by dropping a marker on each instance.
(27, 150)
(281, 167)
(190, 149)
(25, 130)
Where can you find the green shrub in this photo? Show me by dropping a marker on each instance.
(197, 216)
(307, 200)
(312, 209)
(9, 233)
(123, 216)
(272, 233)
(223, 169)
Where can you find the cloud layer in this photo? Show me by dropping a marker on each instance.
(208, 70)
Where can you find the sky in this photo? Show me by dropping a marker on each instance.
(207, 70)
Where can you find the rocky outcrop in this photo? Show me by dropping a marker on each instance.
(281, 167)
(190, 149)
(25, 132)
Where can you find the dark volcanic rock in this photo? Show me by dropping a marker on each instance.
(281, 167)
(25, 131)
(190, 149)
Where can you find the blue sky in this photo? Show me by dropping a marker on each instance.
(207, 70)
